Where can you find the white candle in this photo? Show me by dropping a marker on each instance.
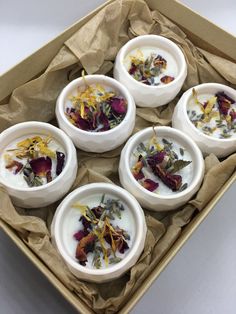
(72, 224)
(214, 123)
(143, 53)
(18, 179)
(186, 173)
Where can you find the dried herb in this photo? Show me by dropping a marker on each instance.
(183, 187)
(34, 160)
(177, 165)
(99, 236)
(218, 112)
(148, 70)
(181, 150)
(95, 109)
(161, 161)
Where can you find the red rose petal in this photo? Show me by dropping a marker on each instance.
(173, 181)
(150, 185)
(41, 166)
(167, 79)
(119, 105)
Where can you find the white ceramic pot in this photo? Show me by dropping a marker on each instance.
(145, 95)
(151, 200)
(40, 196)
(61, 224)
(96, 141)
(208, 144)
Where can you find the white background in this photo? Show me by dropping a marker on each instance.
(202, 277)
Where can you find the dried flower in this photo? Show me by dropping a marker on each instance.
(217, 112)
(161, 161)
(15, 165)
(41, 166)
(171, 180)
(147, 70)
(60, 162)
(167, 79)
(98, 230)
(95, 109)
(150, 185)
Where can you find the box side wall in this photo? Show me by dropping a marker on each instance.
(215, 39)
(24, 72)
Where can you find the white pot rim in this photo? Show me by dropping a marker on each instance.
(156, 39)
(168, 131)
(186, 98)
(66, 142)
(139, 234)
(100, 79)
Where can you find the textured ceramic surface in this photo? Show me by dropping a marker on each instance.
(144, 95)
(152, 200)
(115, 271)
(207, 144)
(51, 192)
(98, 142)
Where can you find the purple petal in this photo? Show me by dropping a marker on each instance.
(80, 234)
(60, 162)
(83, 124)
(119, 105)
(224, 102)
(150, 185)
(41, 166)
(132, 69)
(104, 121)
(156, 159)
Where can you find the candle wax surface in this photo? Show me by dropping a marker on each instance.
(71, 225)
(186, 173)
(18, 179)
(193, 107)
(145, 52)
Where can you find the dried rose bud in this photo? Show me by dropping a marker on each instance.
(119, 105)
(173, 181)
(15, 165)
(167, 79)
(85, 246)
(41, 166)
(150, 185)
(60, 162)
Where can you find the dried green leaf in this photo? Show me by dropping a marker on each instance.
(178, 165)
(114, 260)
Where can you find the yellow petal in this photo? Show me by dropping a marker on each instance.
(210, 104)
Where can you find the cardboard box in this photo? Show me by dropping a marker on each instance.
(214, 40)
